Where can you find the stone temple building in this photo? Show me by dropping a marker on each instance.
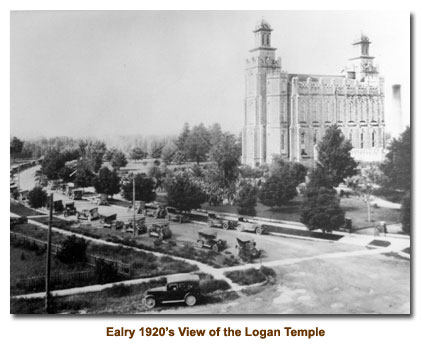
(287, 114)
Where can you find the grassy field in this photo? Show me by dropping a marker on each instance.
(22, 210)
(353, 206)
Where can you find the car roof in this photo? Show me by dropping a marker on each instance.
(183, 278)
(209, 232)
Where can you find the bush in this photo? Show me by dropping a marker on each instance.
(73, 250)
(246, 277)
(119, 290)
(106, 272)
(212, 285)
(37, 197)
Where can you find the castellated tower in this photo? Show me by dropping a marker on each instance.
(287, 114)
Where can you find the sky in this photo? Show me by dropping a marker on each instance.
(104, 73)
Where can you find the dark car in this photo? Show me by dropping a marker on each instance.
(173, 214)
(208, 238)
(160, 230)
(180, 288)
(215, 221)
(69, 209)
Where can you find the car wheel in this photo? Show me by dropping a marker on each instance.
(190, 300)
(150, 302)
(215, 248)
(259, 230)
(225, 225)
(200, 244)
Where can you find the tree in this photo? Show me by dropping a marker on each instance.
(405, 213)
(183, 193)
(37, 197)
(179, 158)
(281, 186)
(168, 152)
(215, 133)
(16, 146)
(107, 182)
(52, 164)
(73, 250)
(247, 200)
(197, 144)
(226, 155)
(118, 159)
(144, 189)
(397, 165)
(334, 156)
(137, 153)
(84, 175)
(156, 149)
(157, 174)
(321, 210)
(94, 153)
(183, 136)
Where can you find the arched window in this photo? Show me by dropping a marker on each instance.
(362, 140)
(302, 143)
(315, 137)
(350, 136)
(282, 141)
(373, 139)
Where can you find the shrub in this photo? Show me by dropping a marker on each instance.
(119, 290)
(269, 272)
(37, 197)
(73, 250)
(212, 285)
(246, 277)
(105, 272)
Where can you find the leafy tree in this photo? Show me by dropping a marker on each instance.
(137, 153)
(405, 214)
(108, 156)
(397, 166)
(281, 186)
(84, 175)
(321, 210)
(183, 193)
(37, 197)
(247, 200)
(334, 156)
(16, 146)
(52, 163)
(73, 250)
(144, 189)
(156, 148)
(118, 159)
(107, 182)
(215, 133)
(157, 174)
(197, 144)
(168, 152)
(226, 155)
(179, 158)
(94, 153)
(180, 142)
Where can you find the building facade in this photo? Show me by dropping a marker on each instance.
(287, 114)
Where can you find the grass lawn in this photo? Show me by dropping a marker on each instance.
(353, 206)
(22, 210)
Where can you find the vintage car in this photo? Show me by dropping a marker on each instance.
(17, 220)
(154, 210)
(180, 288)
(244, 224)
(69, 209)
(141, 227)
(160, 230)
(173, 214)
(58, 206)
(107, 220)
(215, 221)
(75, 194)
(247, 249)
(101, 199)
(208, 238)
(88, 214)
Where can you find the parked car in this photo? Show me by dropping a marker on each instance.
(75, 194)
(88, 214)
(173, 214)
(244, 224)
(58, 206)
(247, 249)
(154, 211)
(101, 199)
(141, 227)
(107, 220)
(215, 221)
(160, 230)
(183, 288)
(208, 238)
(69, 209)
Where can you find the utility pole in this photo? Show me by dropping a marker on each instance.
(48, 258)
(134, 208)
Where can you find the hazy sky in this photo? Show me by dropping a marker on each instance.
(147, 72)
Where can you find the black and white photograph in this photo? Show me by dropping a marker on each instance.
(210, 162)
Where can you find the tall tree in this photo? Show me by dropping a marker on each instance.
(183, 136)
(247, 200)
(321, 210)
(84, 175)
(118, 159)
(144, 189)
(334, 156)
(107, 182)
(183, 193)
(16, 146)
(215, 133)
(137, 153)
(168, 152)
(37, 197)
(198, 144)
(397, 166)
(156, 148)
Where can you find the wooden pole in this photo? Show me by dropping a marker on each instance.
(48, 257)
(134, 208)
